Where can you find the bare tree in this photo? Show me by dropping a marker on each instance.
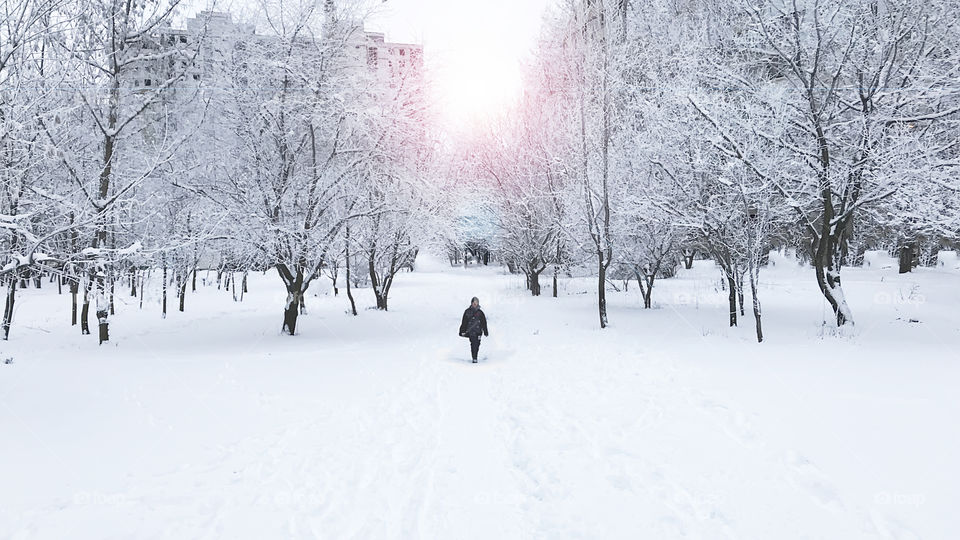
(849, 90)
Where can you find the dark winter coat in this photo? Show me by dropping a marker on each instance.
(474, 323)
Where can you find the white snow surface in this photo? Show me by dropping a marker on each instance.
(879, 259)
(948, 259)
(668, 424)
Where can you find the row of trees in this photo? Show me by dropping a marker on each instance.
(646, 132)
(127, 144)
(650, 131)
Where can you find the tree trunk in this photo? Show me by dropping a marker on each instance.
(74, 286)
(688, 255)
(387, 282)
(291, 311)
(645, 282)
(535, 283)
(740, 295)
(102, 303)
(828, 279)
(183, 292)
(604, 250)
(756, 304)
(85, 310)
(103, 322)
(163, 301)
(648, 294)
(8, 307)
(353, 305)
(294, 283)
(732, 285)
(196, 262)
(906, 257)
(555, 282)
(602, 289)
(375, 282)
(382, 302)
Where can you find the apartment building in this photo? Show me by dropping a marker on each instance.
(184, 58)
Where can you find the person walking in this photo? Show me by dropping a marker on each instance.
(473, 324)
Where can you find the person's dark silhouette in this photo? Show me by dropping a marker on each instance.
(473, 324)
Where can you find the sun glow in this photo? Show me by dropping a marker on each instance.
(477, 86)
(472, 50)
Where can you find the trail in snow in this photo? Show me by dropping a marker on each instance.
(471, 471)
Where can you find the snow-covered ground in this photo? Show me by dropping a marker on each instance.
(668, 424)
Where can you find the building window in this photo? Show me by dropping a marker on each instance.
(183, 39)
(147, 82)
(372, 56)
(403, 52)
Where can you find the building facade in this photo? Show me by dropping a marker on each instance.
(186, 58)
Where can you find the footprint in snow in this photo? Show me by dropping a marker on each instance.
(888, 528)
(734, 423)
(808, 477)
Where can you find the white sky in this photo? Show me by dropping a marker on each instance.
(473, 48)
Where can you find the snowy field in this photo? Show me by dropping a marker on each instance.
(211, 424)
